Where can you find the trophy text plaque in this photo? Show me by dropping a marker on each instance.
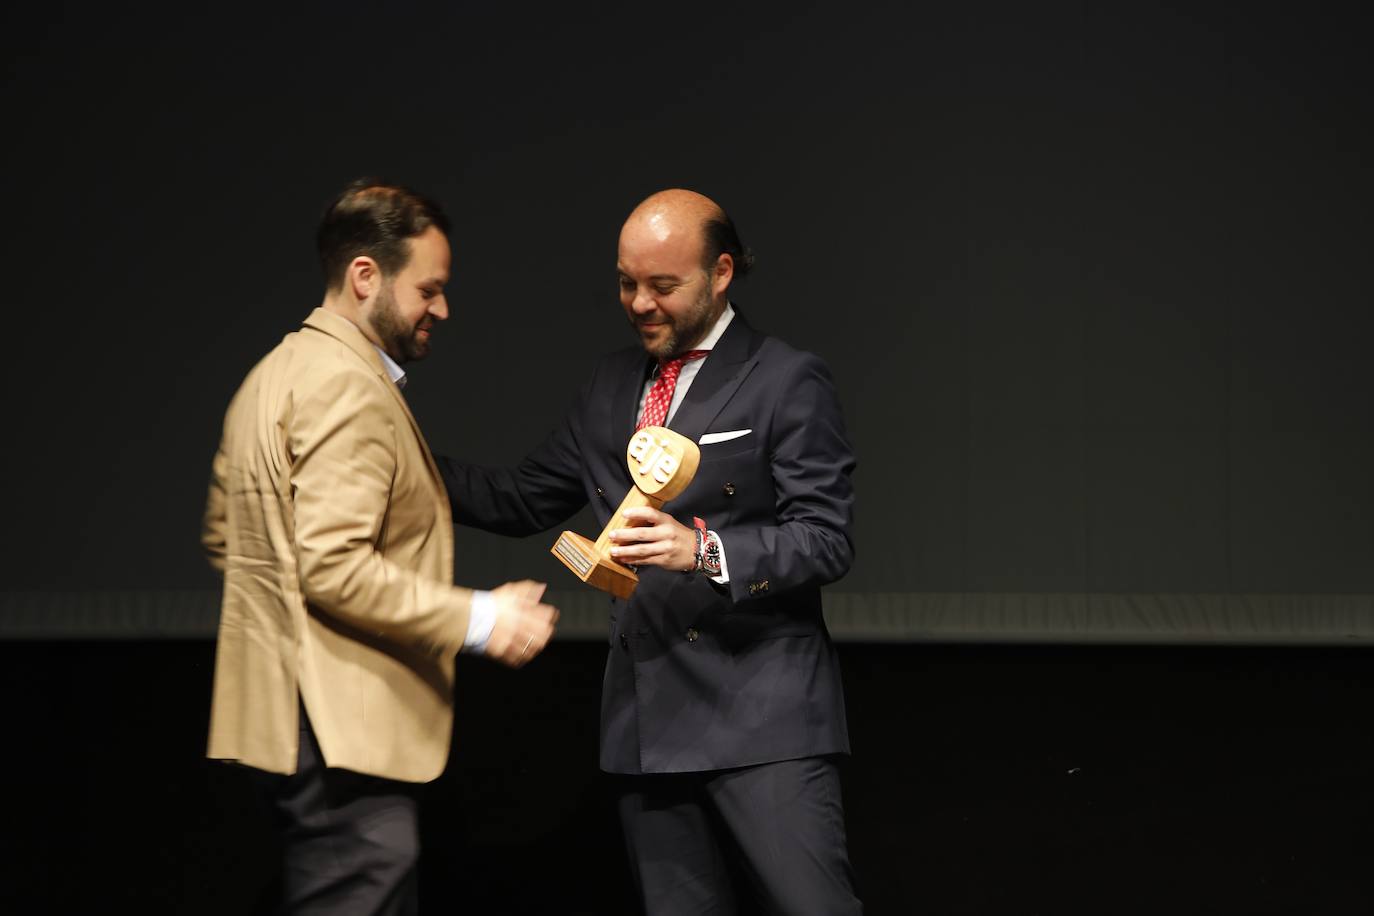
(662, 464)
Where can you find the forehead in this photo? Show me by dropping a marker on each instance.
(429, 255)
(659, 246)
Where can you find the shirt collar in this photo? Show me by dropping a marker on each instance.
(713, 337)
(393, 369)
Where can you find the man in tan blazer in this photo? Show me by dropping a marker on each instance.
(331, 525)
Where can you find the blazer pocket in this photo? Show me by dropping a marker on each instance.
(741, 446)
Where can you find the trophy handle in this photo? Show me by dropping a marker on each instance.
(635, 499)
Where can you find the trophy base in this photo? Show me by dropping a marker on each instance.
(579, 555)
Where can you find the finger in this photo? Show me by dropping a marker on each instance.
(642, 514)
(531, 644)
(630, 556)
(537, 645)
(652, 549)
(656, 549)
(526, 588)
(646, 537)
(523, 647)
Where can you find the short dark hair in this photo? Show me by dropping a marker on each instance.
(373, 218)
(721, 237)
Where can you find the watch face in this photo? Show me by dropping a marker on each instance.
(710, 557)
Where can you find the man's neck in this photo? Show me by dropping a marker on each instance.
(711, 336)
(351, 311)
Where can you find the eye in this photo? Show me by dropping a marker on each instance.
(663, 289)
(626, 283)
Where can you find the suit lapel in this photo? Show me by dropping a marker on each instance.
(730, 362)
(625, 400)
(346, 332)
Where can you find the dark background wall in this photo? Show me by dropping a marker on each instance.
(1094, 281)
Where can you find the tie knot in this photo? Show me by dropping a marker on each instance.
(674, 365)
(660, 396)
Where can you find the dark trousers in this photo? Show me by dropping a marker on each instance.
(778, 825)
(352, 842)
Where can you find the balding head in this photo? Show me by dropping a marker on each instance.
(674, 211)
(689, 217)
(674, 271)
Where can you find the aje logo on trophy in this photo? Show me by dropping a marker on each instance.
(662, 464)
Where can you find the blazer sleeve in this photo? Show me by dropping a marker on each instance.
(342, 443)
(214, 529)
(812, 466)
(545, 488)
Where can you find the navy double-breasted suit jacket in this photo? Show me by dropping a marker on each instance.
(702, 676)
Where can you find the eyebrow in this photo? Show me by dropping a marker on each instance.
(674, 277)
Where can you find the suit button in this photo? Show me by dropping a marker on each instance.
(600, 492)
(692, 634)
(728, 489)
(624, 641)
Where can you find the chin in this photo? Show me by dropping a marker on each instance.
(655, 342)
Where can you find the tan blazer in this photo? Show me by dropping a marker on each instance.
(329, 520)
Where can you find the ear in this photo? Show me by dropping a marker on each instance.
(364, 277)
(723, 273)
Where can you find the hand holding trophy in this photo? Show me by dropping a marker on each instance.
(662, 464)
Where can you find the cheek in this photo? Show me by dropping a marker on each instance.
(676, 306)
(414, 312)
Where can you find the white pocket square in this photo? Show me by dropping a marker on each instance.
(710, 438)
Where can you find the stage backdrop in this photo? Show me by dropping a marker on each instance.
(1094, 282)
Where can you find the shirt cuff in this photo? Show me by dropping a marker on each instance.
(481, 619)
(724, 577)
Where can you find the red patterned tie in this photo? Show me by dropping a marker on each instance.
(661, 395)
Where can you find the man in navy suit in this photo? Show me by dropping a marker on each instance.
(722, 709)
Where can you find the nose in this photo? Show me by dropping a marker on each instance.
(643, 303)
(438, 307)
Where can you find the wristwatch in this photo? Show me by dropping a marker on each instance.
(708, 549)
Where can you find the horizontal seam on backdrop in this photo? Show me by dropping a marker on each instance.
(1307, 619)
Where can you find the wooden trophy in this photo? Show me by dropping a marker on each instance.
(662, 464)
